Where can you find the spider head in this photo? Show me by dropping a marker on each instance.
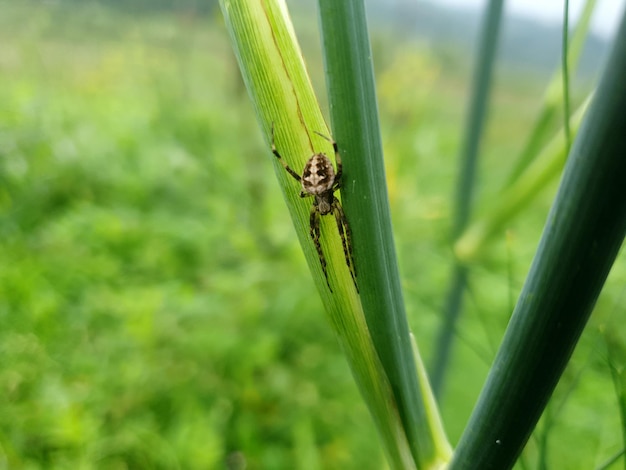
(318, 175)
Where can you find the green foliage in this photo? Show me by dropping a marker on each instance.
(147, 274)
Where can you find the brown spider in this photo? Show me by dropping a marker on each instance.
(320, 180)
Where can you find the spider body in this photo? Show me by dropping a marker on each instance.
(320, 180)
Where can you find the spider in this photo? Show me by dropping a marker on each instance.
(320, 180)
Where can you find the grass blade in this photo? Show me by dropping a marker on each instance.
(553, 99)
(616, 354)
(548, 164)
(276, 79)
(565, 73)
(536, 167)
(582, 236)
(354, 115)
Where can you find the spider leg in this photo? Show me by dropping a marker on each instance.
(280, 159)
(339, 171)
(346, 238)
(315, 235)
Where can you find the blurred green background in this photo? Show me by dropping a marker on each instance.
(155, 309)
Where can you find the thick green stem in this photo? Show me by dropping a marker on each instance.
(581, 239)
(354, 115)
(273, 70)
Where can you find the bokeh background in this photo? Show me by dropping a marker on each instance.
(155, 309)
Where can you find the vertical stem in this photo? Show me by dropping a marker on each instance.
(477, 116)
(454, 301)
(275, 76)
(354, 113)
(475, 122)
(565, 66)
(582, 236)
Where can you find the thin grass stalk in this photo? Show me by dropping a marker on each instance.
(354, 114)
(616, 355)
(476, 117)
(544, 169)
(553, 98)
(581, 239)
(534, 171)
(279, 87)
(565, 72)
(609, 463)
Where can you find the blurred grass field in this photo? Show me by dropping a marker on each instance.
(155, 309)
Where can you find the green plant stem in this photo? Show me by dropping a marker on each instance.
(565, 67)
(548, 164)
(616, 355)
(475, 122)
(453, 307)
(609, 463)
(353, 106)
(582, 236)
(276, 79)
(553, 98)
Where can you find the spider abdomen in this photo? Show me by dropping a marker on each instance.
(318, 175)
